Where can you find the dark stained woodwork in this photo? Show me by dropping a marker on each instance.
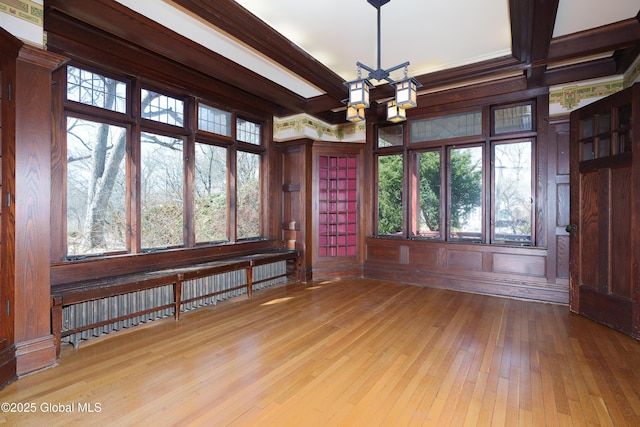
(33, 340)
(98, 289)
(604, 210)
(9, 51)
(98, 267)
(535, 273)
(625, 57)
(534, 51)
(492, 69)
(521, 14)
(618, 35)
(542, 146)
(509, 89)
(558, 194)
(296, 184)
(234, 19)
(26, 156)
(532, 24)
(597, 68)
(142, 34)
(486, 269)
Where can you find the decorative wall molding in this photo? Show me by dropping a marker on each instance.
(633, 74)
(24, 19)
(306, 126)
(24, 9)
(564, 99)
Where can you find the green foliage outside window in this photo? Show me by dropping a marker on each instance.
(390, 170)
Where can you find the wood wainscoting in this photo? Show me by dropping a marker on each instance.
(352, 352)
(515, 272)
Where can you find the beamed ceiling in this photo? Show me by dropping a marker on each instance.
(289, 56)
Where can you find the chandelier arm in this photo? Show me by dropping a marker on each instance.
(369, 69)
(397, 67)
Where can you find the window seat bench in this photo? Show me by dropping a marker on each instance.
(67, 294)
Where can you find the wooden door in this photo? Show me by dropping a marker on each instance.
(601, 228)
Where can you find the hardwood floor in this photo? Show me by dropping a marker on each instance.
(349, 352)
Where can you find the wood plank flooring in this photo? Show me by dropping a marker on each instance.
(345, 353)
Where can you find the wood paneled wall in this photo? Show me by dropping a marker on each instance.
(538, 273)
(487, 269)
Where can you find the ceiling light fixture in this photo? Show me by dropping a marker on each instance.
(406, 96)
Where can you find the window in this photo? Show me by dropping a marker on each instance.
(512, 119)
(390, 188)
(248, 195)
(247, 131)
(457, 180)
(96, 187)
(513, 192)
(465, 193)
(97, 90)
(162, 108)
(390, 136)
(427, 204)
(210, 193)
(167, 185)
(447, 127)
(161, 191)
(214, 120)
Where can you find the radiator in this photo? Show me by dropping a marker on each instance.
(91, 312)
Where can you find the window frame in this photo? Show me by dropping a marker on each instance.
(487, 140)
(493, 239)
(483, 192)
(135, 125)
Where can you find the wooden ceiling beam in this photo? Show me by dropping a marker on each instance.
(582, 71)
(608, 38)
(532, 24)
(234, 20)
(136, 30)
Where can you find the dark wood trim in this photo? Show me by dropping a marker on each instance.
(32, 145)
(514, 272)
(510, 89)
(532, 26)
(234, 19)
(618, 35)
(98, 268)
(112, 33)
(520, 14)
(602, 67)
(534, 51)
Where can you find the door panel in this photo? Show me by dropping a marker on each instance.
(603, 243)
(621, 232)
(604, 257)
(588, 229)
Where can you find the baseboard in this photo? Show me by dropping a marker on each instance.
(35, 354)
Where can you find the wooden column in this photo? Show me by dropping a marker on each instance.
(30, 196)
(297, 201)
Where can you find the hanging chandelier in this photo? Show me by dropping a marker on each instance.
(406, 89)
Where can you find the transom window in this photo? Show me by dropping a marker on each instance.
(162, 108)
(160, 187)
(247, 131)
(214, 120)
(96, 89)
